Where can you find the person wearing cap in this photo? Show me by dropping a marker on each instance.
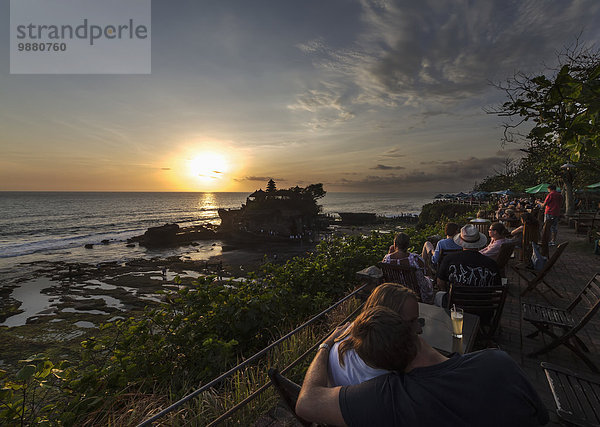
(468, 267)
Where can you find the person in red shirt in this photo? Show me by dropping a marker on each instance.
(552, 205)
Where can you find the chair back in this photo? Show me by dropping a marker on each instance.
(485, 301)
(531, 233)
(444, 252)
(482, 227)
(589, 297)
(506, 251)
(288, 391)
(539, 214)
(557, 253)
(544, 249)
(401, 273)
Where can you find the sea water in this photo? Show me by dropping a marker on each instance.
(55, 226)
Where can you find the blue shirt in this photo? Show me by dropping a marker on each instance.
(445, 244)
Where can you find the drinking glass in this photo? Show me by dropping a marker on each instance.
(456, 314)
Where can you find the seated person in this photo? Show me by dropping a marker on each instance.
(469, 267)
(500, 211)
(510, 218)
(529, 220)
(479, 218)
(484, 388)
(509, 215)
(345, 366)
(399, 255)
(498, 235)
(429, 252)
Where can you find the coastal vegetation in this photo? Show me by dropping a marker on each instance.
(555, 117)
(198, 332)
(432, 213)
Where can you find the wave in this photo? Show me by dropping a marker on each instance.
(66, 243)
(60, 243)
(58, 228)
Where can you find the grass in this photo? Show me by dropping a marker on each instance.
(133, 408)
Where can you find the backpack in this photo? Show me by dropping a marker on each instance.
(537, 259)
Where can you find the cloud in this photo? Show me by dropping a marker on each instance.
(394, 152)
(452, 52)
(258, 178)
(387, 168)
(312, 46)
(165, 169)
(429, 53)
(435, 174)
(326, 107)
(510, 152)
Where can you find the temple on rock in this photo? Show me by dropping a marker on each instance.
(276, 214)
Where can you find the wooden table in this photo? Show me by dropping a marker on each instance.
(437, 330)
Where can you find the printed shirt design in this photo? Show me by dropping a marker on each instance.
(471, 276)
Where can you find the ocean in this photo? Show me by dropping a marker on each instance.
(55, 226)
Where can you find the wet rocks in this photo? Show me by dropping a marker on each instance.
(173, 235)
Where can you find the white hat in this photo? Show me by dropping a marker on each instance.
(470, 238)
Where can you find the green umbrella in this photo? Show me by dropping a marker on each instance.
(596, 185)
(540, 188)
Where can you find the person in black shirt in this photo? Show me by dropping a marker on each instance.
(469, 267)
(484, 388)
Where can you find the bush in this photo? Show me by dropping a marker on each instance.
(202, 329)
(437, 212)
(199, 332)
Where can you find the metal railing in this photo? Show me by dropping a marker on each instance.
(250, 360)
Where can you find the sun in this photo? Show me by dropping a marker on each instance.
(208, 166)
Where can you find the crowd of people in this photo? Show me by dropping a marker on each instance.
(534, 210)
(379, 371)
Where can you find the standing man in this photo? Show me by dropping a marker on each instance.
(552, 205)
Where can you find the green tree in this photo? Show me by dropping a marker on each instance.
(560, 109)
(315, 191)
(271, 186)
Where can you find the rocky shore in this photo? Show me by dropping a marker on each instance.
(52, 306)
(56, 304)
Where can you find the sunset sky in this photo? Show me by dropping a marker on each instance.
(368, 96)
